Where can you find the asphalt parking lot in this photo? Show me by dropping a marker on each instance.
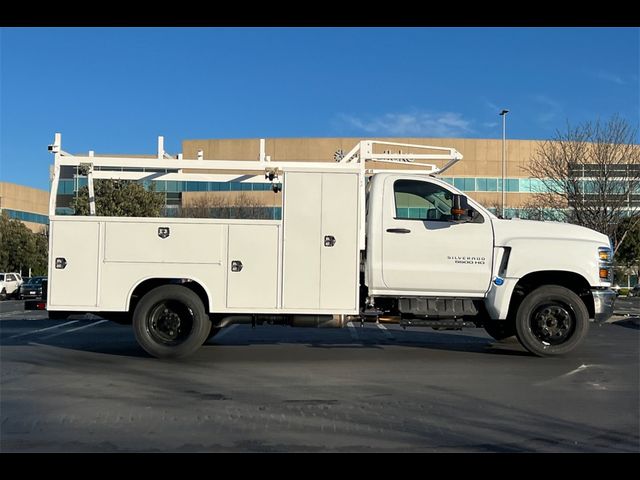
(84, 385)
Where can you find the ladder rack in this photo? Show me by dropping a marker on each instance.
(355, 161)
(356, 158)
(363, 152)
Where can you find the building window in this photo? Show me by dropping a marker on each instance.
(469, 185)
(27, 216)
(458, 183)
(173, 199)
(512, 185)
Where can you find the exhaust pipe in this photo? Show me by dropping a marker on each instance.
(319, 321)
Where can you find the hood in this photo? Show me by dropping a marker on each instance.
(508, 230)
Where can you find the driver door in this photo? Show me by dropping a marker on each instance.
(423, 251)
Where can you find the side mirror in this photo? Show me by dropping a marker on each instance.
(460, 209)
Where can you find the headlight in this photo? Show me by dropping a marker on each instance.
(605, 264)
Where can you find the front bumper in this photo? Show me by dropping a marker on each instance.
(603, 303)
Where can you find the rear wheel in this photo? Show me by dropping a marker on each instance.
(170, 322)
(3, 294)
(551, 320)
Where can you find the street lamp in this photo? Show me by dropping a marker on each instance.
(503, 114)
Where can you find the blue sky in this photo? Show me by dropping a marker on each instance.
(114, 90)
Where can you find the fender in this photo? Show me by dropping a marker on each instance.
(173, 277)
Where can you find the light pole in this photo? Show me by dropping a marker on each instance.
(503, 114)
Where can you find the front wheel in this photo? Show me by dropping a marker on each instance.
(551, 320)
(3, 294)
(170, 322)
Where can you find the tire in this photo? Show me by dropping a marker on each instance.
(551, 320)
(170, 322)
(500, 329)
(3, 294)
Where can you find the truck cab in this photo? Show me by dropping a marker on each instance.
(428, 261)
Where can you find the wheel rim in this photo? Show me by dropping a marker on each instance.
(170, 322)
(553, 324)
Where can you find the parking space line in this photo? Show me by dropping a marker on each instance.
(75, 329)
(386, 331)
(225, 331)
(353, 332)
(43, 329)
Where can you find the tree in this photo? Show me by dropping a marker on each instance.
(591, 176)
(628, 236)
(215, 206)
(495, 207)
(119, 198)
(538, 209)
(40, 255)
(21, 249)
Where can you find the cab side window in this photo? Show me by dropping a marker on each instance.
(416, 200)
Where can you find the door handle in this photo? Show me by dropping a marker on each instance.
(398, 230)
(236, 266)
(329, 240)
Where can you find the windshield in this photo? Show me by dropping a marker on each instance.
(35, 281)
(1, 277)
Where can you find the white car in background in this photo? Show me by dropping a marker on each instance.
(9, 285)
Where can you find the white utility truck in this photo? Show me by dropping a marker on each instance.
(353, 243)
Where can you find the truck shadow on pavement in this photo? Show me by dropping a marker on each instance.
(113, 339)
(633, 323)
(373, 338)
(109, 338)
(413, 340)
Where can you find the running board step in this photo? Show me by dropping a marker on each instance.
(437, 307)
(419, 322)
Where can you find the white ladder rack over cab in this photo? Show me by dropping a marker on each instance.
(355, 161)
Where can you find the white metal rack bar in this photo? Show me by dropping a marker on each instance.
(356, 158)
(363, 152)
(354, 161)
